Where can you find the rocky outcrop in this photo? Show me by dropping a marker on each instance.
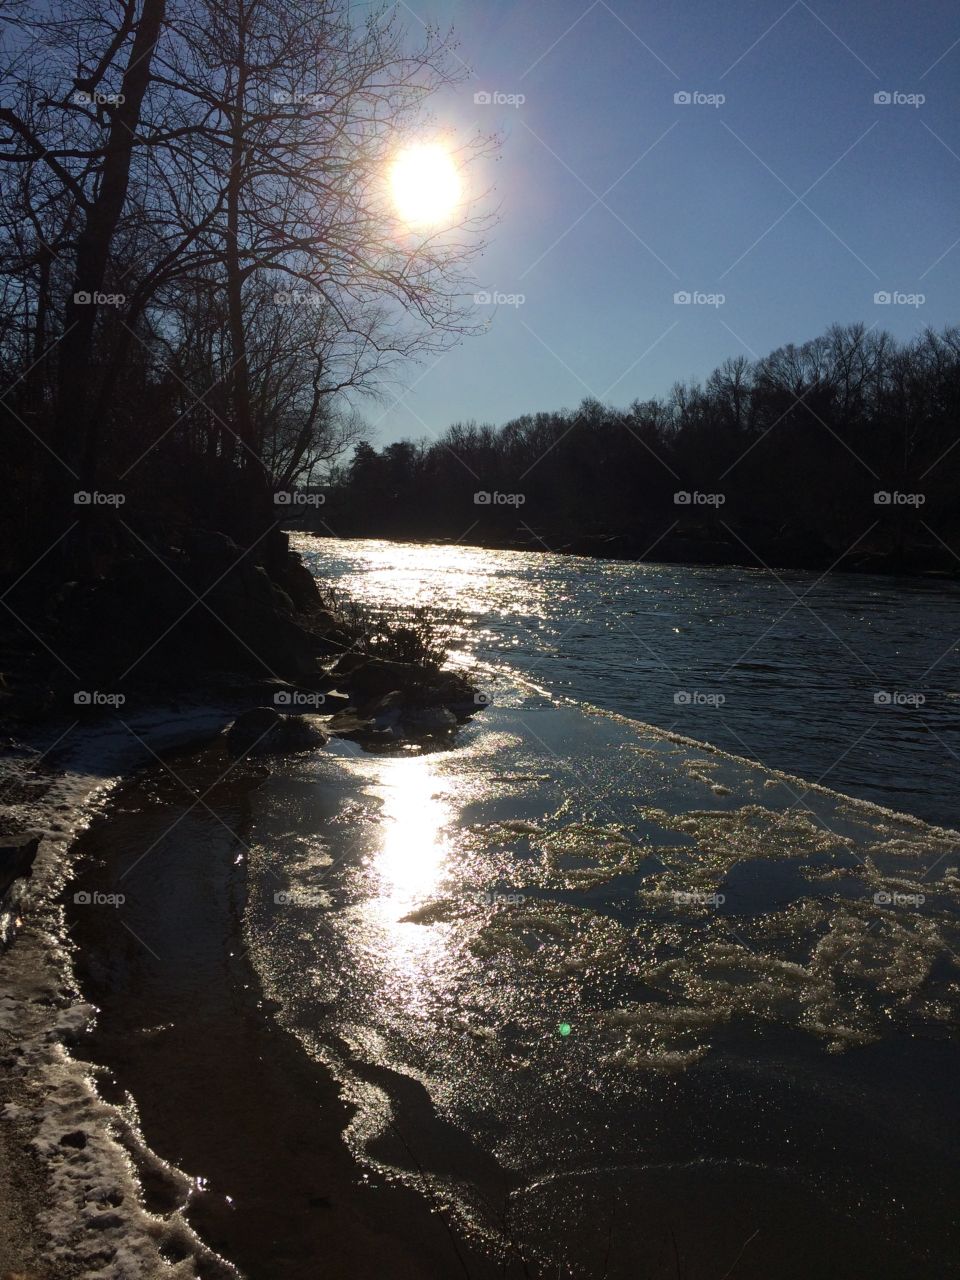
(193, 609)
(264, 730)
(370, 679)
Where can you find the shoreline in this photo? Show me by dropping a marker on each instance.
(75, 1199)
(213, 1015)
(48, 1090)
(82, 1148)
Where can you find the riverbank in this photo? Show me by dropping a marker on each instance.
(153, 625)
(82, 1192)
(72, 1198)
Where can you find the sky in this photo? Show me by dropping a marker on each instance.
(781, 195)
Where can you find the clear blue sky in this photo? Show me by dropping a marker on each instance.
(693, 197)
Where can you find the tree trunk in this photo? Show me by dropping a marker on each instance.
(77, 431)
(243, 418)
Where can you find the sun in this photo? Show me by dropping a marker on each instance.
(425, 185)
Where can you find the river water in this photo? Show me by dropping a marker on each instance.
(611, 999)
(849, 679)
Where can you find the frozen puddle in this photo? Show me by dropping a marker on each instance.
(700, 887)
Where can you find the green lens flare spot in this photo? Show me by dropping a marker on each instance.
(564, 1028)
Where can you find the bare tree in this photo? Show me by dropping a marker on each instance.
(303, 110)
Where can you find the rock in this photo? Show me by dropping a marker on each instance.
(306, 700)
(324, 622)
(370, 678)
(298, 582)
(429, 720)
(347, 724)
(17, 853)
(381, 687)
(264, 730)
(347, 663)
(453, 691)
(335, 700)
(387, 711)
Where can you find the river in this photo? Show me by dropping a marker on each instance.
(848, 679)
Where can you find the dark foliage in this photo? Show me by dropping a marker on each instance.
(837, 451)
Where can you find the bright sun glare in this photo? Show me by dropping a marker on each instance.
(425, 184)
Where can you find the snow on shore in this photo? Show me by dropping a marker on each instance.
(90, 1220)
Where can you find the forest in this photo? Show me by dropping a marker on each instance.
(839, 452)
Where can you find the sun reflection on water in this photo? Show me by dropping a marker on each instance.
(413, 852)
(408, 866)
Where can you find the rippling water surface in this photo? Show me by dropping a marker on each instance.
(819, 676)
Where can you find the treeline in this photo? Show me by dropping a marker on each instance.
(840, 451)
(198, 256)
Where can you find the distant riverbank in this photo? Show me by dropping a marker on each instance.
(706, 547)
